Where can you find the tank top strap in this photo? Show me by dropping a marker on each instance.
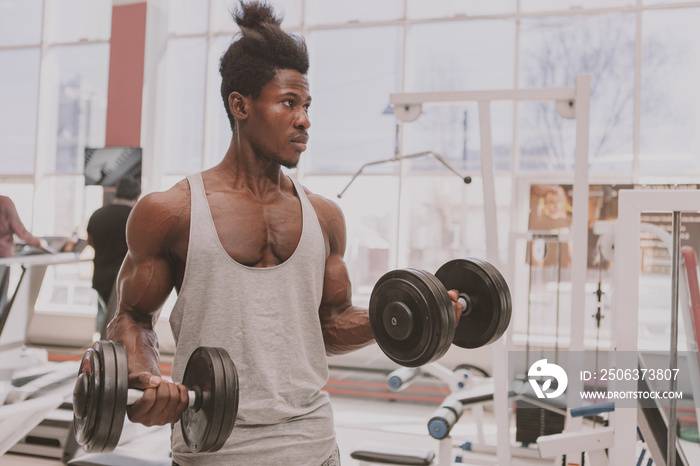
(311, 242)
(202, 229)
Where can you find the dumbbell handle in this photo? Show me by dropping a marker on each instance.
(133, 395)
(465, 302)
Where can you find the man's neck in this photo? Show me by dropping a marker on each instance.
(244, 170)
(119, 201)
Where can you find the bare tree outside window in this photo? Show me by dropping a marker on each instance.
(553, 51)
(462, 56)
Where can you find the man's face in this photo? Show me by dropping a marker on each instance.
(278, 121)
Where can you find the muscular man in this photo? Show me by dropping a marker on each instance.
(257, 262)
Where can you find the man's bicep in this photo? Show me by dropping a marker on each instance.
(145, 279)
(345, 327)
(337, 289)
(143, 285)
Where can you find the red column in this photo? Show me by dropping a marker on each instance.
(126, 67)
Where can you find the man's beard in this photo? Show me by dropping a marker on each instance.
(279, 160)
(289, 165)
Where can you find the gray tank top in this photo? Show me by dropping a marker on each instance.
(267, 319)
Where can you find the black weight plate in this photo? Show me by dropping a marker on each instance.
(398, 286)
(503, 303)
(490, 300)
(506, 316)
(121, 389)
(214, 404)
(448, 317)
(443, 313)
(406, 286)
(437, 325)
(86, 397)
(200, 426)
(435, 299)
(504, 311)
(409, 287)
(229, 406)
(102, 440)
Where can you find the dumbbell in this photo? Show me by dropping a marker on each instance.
(101, 395)
(412, 317)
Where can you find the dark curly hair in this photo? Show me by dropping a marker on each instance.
(257, 52)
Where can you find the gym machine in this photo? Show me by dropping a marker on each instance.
(571, 102)
(33, 418)
(659, 433)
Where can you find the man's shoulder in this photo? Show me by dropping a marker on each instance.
(164, 207)
(99, 213)
(111, 209)
(322, 205)
(330, 215)
(174, 198)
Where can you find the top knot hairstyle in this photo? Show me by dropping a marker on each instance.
(258, 51)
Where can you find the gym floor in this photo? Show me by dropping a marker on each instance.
(361, 420)
(394, 425)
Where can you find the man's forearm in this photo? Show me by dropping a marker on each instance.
(139, 339)
(347, 331)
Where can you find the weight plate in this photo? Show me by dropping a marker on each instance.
(121, 389)
(435, 302)
(204, 374)
(488, 292)
(412, 289)
(86, 396)
(398, 320)
(505, 317)
(102, 441)
(444, 314)
(409, 288)
(230, 401)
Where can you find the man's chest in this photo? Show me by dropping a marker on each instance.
(258, 234)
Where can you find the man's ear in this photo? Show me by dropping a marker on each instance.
(238, 105)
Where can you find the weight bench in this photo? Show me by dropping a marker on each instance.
(368, 454)
(467, 391)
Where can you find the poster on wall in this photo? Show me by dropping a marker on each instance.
(105, 166)
(551, 210)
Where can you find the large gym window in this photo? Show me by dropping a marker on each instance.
(19, 94)
(183, 106)
(670, 105)
(553, 50)
(21, 22)
(352, 73)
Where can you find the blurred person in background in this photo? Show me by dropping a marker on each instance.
(107, 235)
(10, 225)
